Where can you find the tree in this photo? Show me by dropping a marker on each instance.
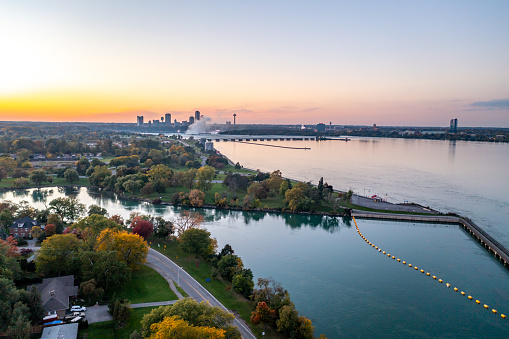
(58, 255)
(320, 187)
(263, 313)
(131, 248)
(293, 198)
(50, 230)
(68, 208)
(100, 176)
(229, 265)
(71, 175)
(204, 177)
(21, 182)
(194, 313)
(132, 186)
(243, 282)
(288, 321)
(19, 327)
(142, 227)
(36, 232)
(82, 165)
(174, 327)
(188, 178)
(161, 173)
(187, 220)
(6, 219)
(38, 176)
(34, 302)
(121, 311)
(9, 265)
(95, 209)
(105, 268)
(7, 165)
(10, 295)
(89, 289)
(197, 241)
(227, 249)
(196, 198)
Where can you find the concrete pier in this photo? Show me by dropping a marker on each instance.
(488, 242)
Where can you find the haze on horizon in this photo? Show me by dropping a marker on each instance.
(362, 62)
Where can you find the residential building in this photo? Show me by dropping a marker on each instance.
(56, 294)
(197, 115)
(209, 146)
(67, 331)
(23, 226)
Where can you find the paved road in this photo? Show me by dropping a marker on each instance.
(382, 205)
(196, 291)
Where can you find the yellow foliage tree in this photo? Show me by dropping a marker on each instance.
(130, 248)
(175, 327)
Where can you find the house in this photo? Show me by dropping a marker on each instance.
(68, 331)
(22, 227)
(56, 294)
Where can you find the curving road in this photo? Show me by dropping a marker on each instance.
(168, 268)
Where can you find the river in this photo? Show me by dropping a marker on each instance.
(347, 288)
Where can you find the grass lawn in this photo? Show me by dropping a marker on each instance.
(7, 183)
(145, 286)
(219, 288)
(104, 330)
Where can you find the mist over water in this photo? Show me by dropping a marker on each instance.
(200, 126)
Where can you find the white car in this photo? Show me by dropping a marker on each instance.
(78, 309)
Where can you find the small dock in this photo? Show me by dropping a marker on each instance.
(488, 242)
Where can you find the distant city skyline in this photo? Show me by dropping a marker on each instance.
(352, 63)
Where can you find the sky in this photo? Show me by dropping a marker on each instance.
(407, 63)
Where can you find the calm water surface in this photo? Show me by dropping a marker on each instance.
(347, 288)
(469, 178)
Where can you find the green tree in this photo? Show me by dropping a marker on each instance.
(59, 255)
(105, 268)
(229, 265)
(132, 186)
(320, 187)
(94, 209)
(10, 295)
(34, 302)
(188, 178)
(71, 175)
(82, 165)
(19, 325)
(121, 311)
(101, 176)
(69, 209)
(196, 241)
(38, 177)
(288, 321)
(204, 177)
(21, 182)
(6, 219)
(243, 282)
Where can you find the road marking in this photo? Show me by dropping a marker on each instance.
(235, 318)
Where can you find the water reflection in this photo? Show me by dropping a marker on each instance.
(452, 149)
(40, 195)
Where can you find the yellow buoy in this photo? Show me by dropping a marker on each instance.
(486, 306)
(383, 252)
(373, 245)
(477, 302)
(393, 257)
(440, 280)
(399, 260)
(427, 273)
(422, 271)
(462, 293)
(469, 297)
(376, 247)
(416, 268)
(503, 316)
(456, 289)
(388, 255)
(404, 262)
(448, 285)
(494, 311)
(434, 277)
(409, 265)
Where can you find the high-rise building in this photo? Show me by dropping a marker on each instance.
(191, 120)
(140, 120)
(167, 118)
(320, 127)
(454, 126)
(197, 115)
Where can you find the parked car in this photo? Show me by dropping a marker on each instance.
(78, 309)
(79, 314)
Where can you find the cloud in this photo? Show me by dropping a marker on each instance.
(498, 104)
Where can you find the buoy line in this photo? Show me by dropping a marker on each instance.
(494, 311)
